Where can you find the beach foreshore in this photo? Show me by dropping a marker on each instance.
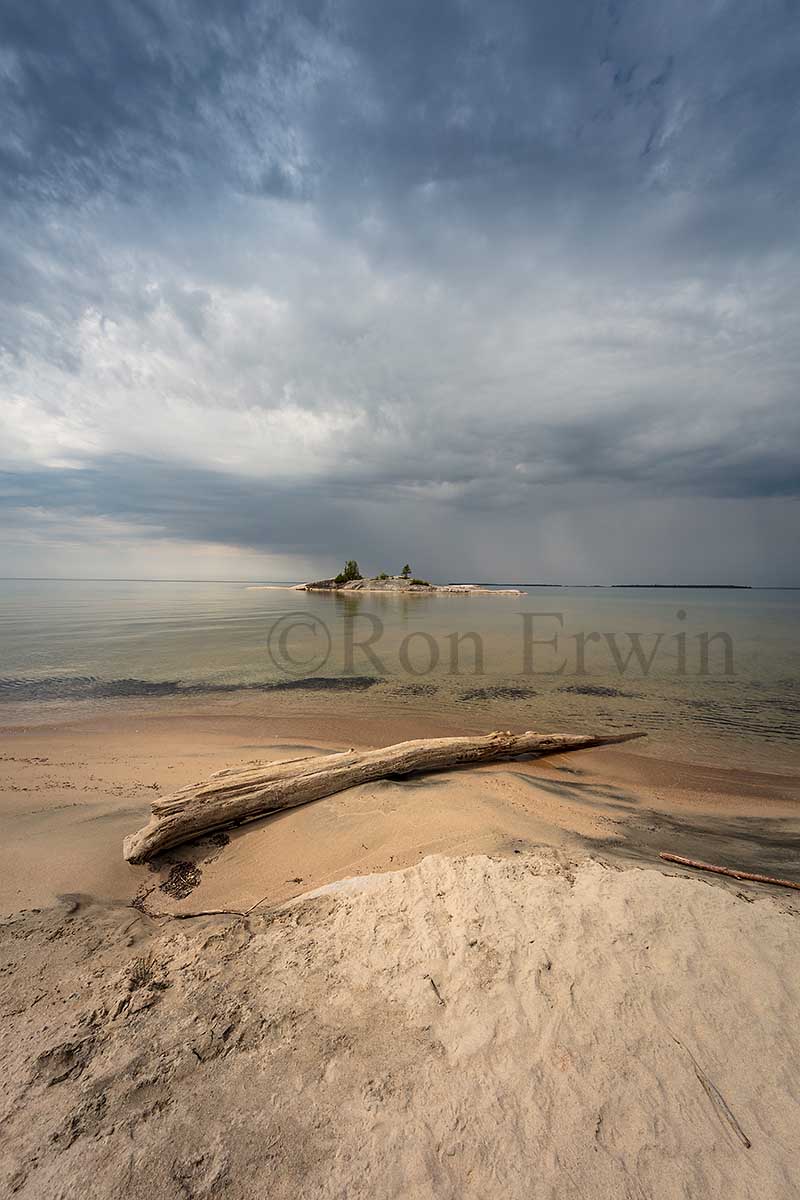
(476, 983)
(71, 791)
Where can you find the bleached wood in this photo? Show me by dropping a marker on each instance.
(752, 876)
(234, 796)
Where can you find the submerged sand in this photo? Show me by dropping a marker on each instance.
(539, 1025)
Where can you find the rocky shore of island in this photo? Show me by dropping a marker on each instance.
(351, 580)
(396, 584)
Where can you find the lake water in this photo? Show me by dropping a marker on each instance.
(713, 672)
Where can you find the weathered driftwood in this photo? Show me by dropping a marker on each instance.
(234, 796)
(749, 875)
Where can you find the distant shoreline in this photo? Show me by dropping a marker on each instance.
(253, 583)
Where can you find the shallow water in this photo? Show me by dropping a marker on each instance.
(568, 658)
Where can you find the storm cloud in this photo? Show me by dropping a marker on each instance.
(508, 289)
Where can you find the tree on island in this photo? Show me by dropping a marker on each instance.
(406, 571)
(350, 572)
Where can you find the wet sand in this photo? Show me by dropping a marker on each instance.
(70, 791)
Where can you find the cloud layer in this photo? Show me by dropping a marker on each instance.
(506, 288)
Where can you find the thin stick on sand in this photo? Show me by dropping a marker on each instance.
(232, 797)
(142, 908)
(704, 866)
(715, 1096)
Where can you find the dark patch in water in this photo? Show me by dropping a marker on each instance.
(590, 689)
(501, 692)
(88, 687)
(415, 689)
(82, 687)
(338, 683)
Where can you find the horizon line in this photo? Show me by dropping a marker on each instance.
(763, 587)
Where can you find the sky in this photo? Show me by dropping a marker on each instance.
(508, 290)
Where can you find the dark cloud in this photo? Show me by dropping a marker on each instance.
(295, 277)
(511, 104)
(139, 96)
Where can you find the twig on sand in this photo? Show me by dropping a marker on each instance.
(206, 912)
(715, 1096)
(203, 912)
(436, 991)
(184, 916)
(704, 866)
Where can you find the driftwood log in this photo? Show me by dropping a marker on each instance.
(734, 874)
(243, 794)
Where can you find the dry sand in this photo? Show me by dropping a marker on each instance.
(519, 1011)
(526, 1027)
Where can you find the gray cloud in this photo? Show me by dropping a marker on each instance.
(299, 281)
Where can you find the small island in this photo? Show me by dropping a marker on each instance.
(350, 579)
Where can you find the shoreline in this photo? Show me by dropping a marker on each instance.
(392, 588)
(72, 790)
(429, 984)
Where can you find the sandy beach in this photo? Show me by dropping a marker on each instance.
(71, 791)
(540, 1025)
(469, 983)
(399, 601)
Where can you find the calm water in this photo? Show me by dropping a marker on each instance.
(621, 658)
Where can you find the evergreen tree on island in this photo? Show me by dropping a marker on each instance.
(350, 571)
(406, 572)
